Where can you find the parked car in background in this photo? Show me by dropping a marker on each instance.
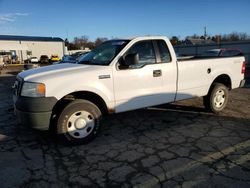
(66, 59)
(78, 54)
(71, 58)
(223, 52)
(31, 60)
(2, 65)
(44, 59)
(54, 58)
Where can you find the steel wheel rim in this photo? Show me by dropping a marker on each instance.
(80, 124)
(219, 98)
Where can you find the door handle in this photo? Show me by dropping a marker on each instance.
(156, 73)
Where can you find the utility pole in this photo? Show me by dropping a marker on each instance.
(205, 33)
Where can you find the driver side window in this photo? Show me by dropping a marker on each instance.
(145, 51)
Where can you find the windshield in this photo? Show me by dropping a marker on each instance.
(103, 54)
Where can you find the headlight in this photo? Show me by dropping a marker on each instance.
(30, 89)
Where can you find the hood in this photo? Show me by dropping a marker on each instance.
(53, 71)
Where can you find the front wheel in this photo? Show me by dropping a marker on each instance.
(79, 122)
(217, 98)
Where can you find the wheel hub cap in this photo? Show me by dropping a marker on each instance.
(80, 123)
(219, 98)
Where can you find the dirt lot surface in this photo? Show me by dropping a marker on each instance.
(177, 145)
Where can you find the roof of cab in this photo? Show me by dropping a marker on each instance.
(148, 37)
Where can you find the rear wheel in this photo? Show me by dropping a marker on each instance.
(79, 122)
(217, 98)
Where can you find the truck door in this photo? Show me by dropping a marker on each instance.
(139, 85)
(169, 70)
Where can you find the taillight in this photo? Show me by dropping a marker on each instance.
(243, 69)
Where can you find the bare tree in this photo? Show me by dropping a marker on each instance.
(194, 36)
(244, 36)
(235, 36)
(100, 40)
(175, 40)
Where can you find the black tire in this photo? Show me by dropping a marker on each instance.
(79, 122)
(217, 98)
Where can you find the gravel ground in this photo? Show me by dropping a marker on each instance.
(174, 145)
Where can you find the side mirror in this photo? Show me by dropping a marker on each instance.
(131, 59)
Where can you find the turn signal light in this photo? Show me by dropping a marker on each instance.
(41, 88)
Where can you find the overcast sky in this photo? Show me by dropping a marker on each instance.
(114, 18)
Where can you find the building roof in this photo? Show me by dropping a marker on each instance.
(30, 38)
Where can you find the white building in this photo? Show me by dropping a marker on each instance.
(24, 47)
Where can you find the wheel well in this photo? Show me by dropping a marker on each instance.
(223, 79)
(92, 97)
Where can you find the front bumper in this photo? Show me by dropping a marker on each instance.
(38, 120)
(34, 112)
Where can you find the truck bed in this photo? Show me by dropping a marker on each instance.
(195, 75)
(186, 58)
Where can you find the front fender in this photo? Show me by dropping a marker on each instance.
(105, 91)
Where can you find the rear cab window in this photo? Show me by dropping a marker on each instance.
(163, 51)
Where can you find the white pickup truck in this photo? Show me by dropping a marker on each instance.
(119, 75)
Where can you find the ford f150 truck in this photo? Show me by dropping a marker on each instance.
(117, 76)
